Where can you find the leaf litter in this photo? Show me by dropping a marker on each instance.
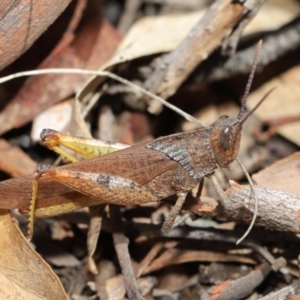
(162, 265)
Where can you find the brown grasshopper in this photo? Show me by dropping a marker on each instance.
(147, 172)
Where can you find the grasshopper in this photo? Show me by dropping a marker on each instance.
(147, 172)
(143, 173)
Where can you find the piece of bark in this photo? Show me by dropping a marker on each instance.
(206, 36)
(276, 209)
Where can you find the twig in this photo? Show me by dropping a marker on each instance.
(230, 43)
(128, 16)
(241, 207)
(276, 44)
(243, 286)
(121, 245)
(206, 36)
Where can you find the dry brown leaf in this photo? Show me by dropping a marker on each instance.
(147, 36)
(284, 102)
(14, 161)
(283, 175)
(22, 22)
(91, 47)
(23, 273)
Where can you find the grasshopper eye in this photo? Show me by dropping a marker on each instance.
(225, 139)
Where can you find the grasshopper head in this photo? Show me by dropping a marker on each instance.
(226, 135)
(225, 140)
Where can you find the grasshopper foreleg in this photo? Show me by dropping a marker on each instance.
(190, 214)
(168, 224)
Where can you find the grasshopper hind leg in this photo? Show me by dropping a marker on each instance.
(32, 204)
(84, 147)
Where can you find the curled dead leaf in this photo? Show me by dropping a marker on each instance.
(23, 273)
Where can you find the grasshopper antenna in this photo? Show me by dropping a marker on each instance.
(242, 120)
(239, 117)
(255, 201)
(257, 105)
(245, 171)
(250, 80)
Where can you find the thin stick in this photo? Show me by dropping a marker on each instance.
(255, 199)
(104, 74)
